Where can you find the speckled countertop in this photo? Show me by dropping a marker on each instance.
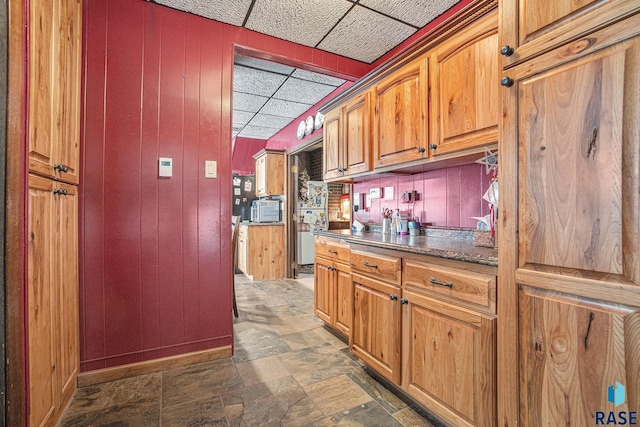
(460, 249)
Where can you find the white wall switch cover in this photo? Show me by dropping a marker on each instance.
(368, 201)
(388, 193)
(210, 169)
(374, 193)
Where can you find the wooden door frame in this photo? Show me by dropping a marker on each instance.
(291, 189)
(14, 178)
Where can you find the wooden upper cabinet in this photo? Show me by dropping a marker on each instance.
(55, 54)
(572, 351)
(333, 141)
(465, 90)
(347, 139)
(530, 27)
(356, 151)
(577, 131)
(400, 116)
(269, 172)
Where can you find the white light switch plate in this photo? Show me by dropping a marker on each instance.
(210, 169)
(388, 193)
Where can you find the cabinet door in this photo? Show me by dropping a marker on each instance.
(572, 350)
(242, 255)
(400, 116)
(356, 135)
(465, 100)
(274, 174)
(66, 284)
(323, 296)
(344, 298)
(42, 320)
(70, 65)
(375, 335)
(261, 176)
(531, 27)
(449, 360)
(44, 93)
(333, 144)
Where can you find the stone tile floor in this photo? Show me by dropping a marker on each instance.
(287, 370)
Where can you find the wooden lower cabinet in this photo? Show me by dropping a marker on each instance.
(52, 294)
(448, 359)
(375, 335)
(572, 349)
(333, 296)
(261, 251)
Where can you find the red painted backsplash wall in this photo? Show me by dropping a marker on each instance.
(447, 197)
(155, 253)
(243, 162)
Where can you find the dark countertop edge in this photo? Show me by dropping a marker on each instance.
(261, 224)
(457, 255)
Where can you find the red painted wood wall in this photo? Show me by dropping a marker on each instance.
(155, 253)
(243, 162)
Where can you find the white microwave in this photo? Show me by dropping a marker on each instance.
(265, 211)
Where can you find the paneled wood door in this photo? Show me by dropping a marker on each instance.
(531, 27)
(449, 359)
(333, 144)
(571, 126)
(344, 298)
(375, 335)
(465, 98)
(400, 116)
(323, 296)
(356, 136)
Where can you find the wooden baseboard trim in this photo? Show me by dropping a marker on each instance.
(134, 369)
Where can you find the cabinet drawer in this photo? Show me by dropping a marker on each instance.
(332, 249)
(380, 266)
(456, 283)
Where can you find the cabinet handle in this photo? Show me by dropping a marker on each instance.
(61, 168)
(331, 251)
(506, 50)
(507, 82)
(404, 301)
(421, 150)
(331, 268)
(435, 282)
(433, 146)
(60, 191)
(393, 297)
(366, 264)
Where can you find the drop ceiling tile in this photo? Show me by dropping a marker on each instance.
(316, 77)
(365, 35)
(261, 64)
(230, 11)
(303, 91)
(269, 121)
(241, 118)
(301, 21)
(246, 102)
(278, 107)
(257, 82)
(414, 12)
(257, 132)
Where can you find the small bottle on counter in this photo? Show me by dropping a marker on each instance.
(397, 220)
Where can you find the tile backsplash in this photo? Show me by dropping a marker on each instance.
(446, 197)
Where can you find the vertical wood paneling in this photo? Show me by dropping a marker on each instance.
(92, 262)
(122, 177)
(149, 221)
(170, 206)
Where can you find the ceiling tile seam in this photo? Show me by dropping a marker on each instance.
(389, 16)
(246, 18)
(261, 70)
(336, 24)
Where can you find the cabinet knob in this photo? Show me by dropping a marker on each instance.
(421, 150)
(60, 191)
(393, 297)
(507, 82)
(506, 50)
(61, 168)
(433, 146)
(404, 301)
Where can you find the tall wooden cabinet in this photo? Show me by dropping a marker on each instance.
(55, 59)
(570, 153)
(269, 172)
